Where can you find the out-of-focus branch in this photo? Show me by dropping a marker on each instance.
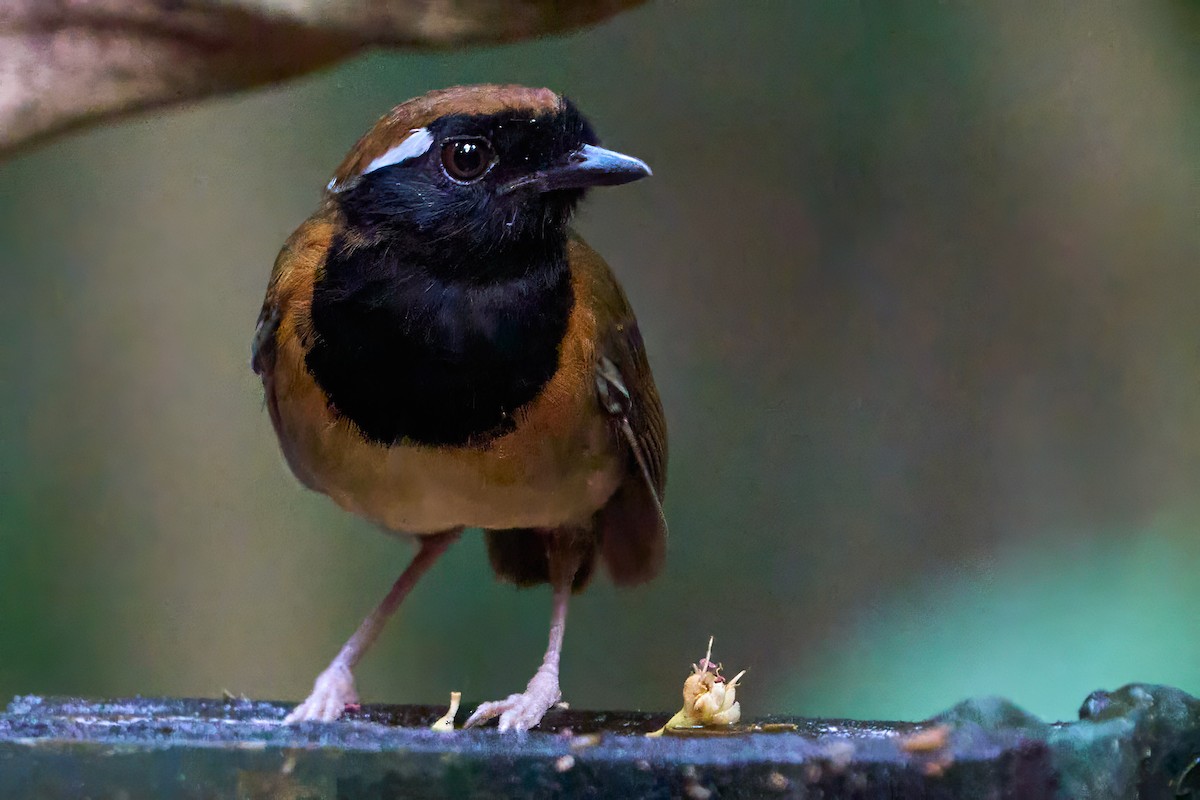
(66, 63)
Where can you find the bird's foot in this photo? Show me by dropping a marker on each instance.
(332, 692)
(520, 712)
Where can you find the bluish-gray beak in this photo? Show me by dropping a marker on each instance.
(588, 166)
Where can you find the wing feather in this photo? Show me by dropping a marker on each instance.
(632, 526)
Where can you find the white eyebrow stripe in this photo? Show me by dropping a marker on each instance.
(417, 143)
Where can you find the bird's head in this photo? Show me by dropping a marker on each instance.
(471, 168)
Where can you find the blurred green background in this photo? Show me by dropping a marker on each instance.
(919, 283)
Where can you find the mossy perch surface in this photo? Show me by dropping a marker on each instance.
(1141, 741)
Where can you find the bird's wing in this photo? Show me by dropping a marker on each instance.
(284, 324)
(289, 290)
(262, 348)
(632, 526)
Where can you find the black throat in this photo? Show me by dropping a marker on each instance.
(414, 352)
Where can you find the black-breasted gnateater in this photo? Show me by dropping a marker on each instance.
(439, 351)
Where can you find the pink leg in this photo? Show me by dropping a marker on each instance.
(520, 712)
(334, 687)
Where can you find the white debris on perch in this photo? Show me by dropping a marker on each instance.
(445, 723)
(709, 700)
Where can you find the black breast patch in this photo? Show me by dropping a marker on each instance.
(409, 356)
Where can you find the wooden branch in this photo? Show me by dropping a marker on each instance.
(1141, 741)
(66, 64)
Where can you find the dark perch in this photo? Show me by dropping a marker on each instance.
(1141, 741)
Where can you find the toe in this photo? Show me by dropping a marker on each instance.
(332, 690)
(512, 720)
(489, 710)
(522, 715)
(517, 712)
(298, 714)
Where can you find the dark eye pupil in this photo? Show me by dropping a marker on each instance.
(467, 157)
(466, 160)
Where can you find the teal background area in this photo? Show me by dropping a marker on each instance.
(919, 285)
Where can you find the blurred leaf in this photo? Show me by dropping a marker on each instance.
(66, 64)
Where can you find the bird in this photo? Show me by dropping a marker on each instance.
(440, 351)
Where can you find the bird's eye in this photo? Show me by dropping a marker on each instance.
(467, 160)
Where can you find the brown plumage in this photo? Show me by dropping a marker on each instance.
(439, 352)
